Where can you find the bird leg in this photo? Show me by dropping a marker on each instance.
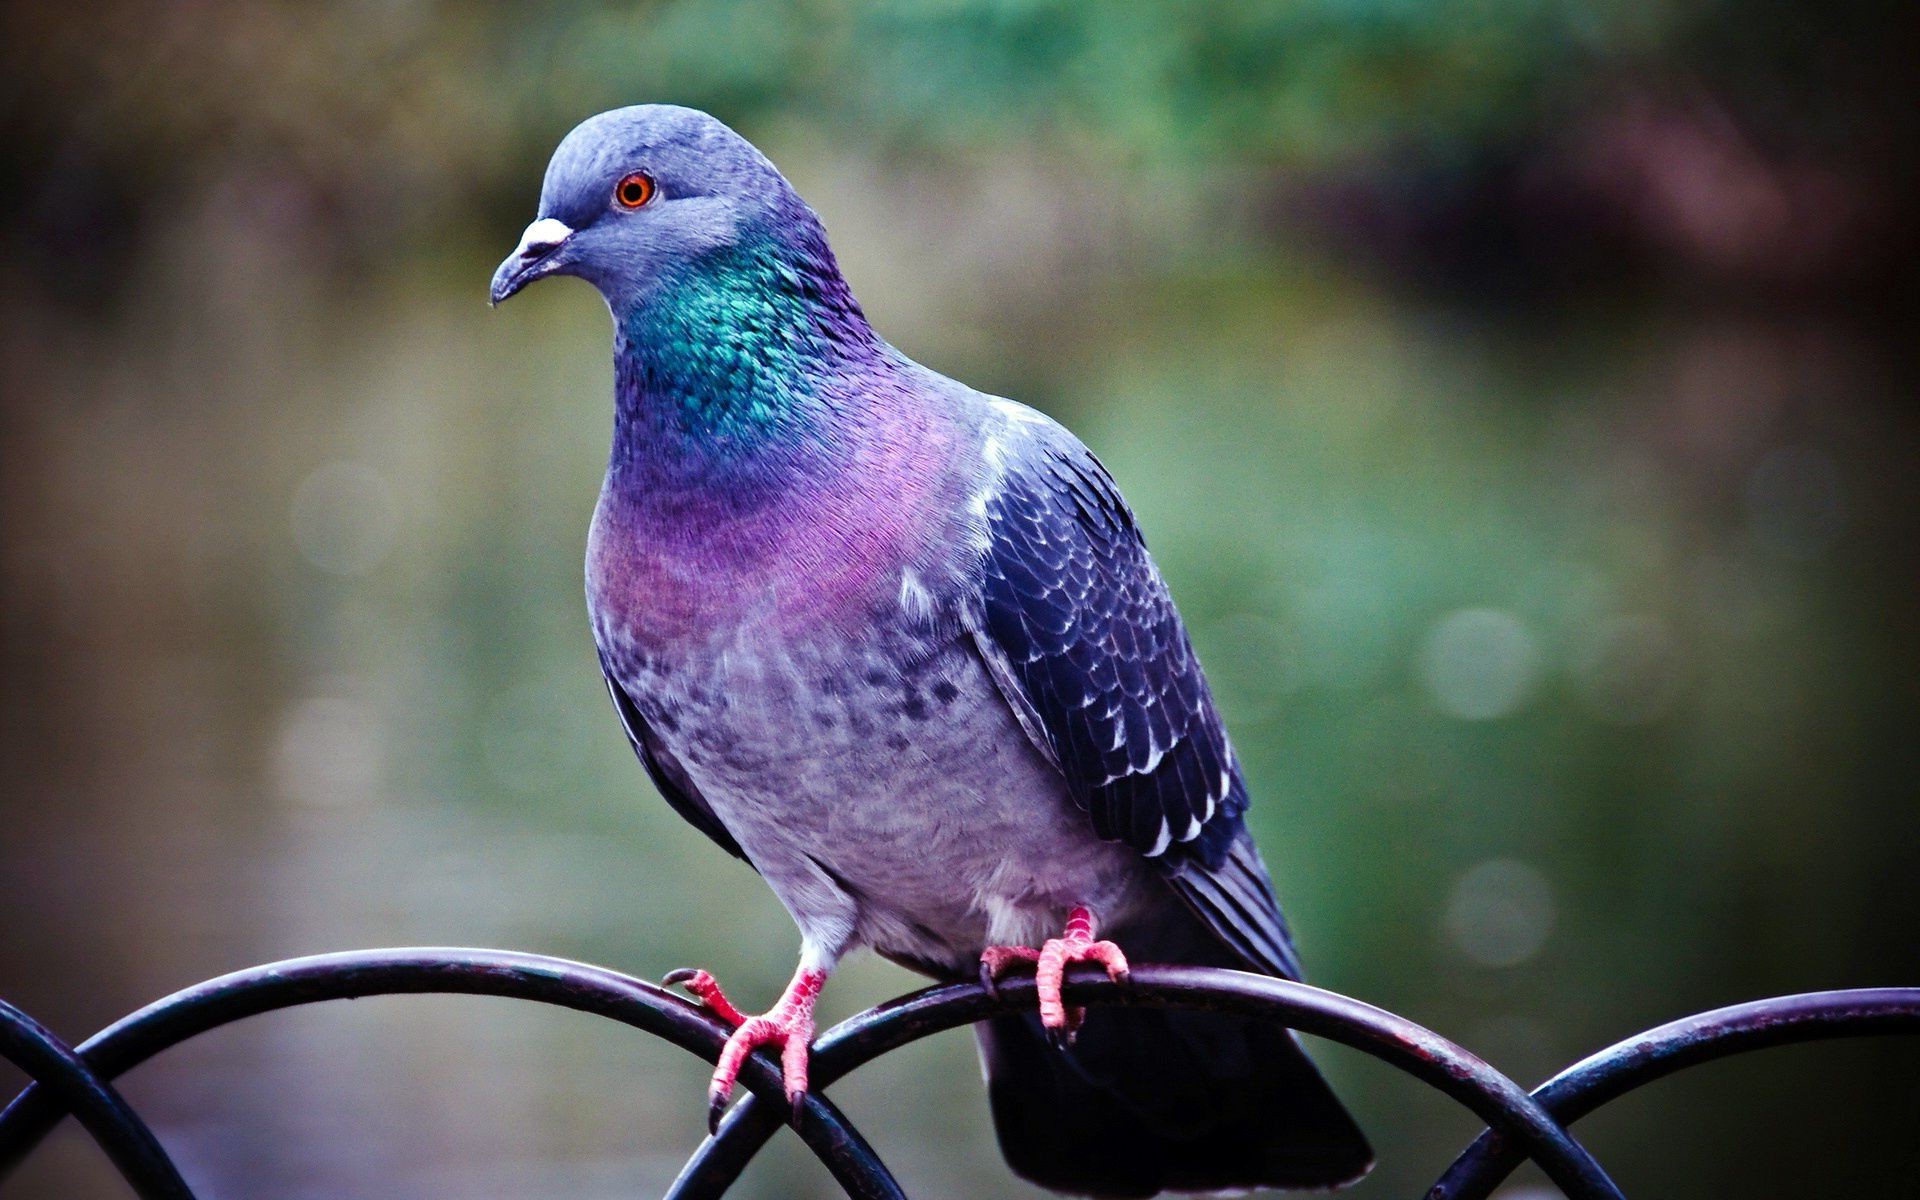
(788, 1025)
(1075, 944)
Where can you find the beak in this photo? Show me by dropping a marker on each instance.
(536, 256)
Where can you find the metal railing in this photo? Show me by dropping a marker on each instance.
(77, 1081)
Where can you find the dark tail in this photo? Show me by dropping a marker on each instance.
(1146, 1101)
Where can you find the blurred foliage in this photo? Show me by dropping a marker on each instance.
(369, 88)
(369, 119)
(1513, 391)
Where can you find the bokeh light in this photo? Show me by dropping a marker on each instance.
(1500, 912)
(1479, 663)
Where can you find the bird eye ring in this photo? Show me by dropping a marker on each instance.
(634, 191)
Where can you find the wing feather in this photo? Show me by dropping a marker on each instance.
(1082, 638)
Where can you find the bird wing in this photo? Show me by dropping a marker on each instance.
(667, 775)
(1081, 636)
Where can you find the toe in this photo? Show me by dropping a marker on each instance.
(998, 960)
(793, 1068)
(1048, 978)
(733, 1056)
(1109, 956)
(721, 1089)
(706, 989)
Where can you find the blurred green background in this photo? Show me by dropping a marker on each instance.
(1517, 393)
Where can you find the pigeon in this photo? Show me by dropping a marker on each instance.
(900, 646)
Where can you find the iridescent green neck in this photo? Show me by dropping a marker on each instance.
(739, 347)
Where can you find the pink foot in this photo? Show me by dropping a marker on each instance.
(788, 1025)
(1075, 944)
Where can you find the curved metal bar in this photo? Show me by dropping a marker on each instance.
(1399, 1042)
(126, 1139)
(1520, 1126)
(645, 1006)
(1689, 1041)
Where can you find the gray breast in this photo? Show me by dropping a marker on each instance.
(886, 768)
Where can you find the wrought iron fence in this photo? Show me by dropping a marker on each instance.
(77, 1081)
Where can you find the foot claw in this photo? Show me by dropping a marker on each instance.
(716, 1108)
(678, 975)
(989, 979)
(1076, 944)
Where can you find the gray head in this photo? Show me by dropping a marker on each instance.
(633, 194)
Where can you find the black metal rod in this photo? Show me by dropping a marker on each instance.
(1520, 1126)
(645, 1006)
(1687, 1042)
(1425, 1055)
(100, 1109)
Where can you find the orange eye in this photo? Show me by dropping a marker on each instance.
(633, 191)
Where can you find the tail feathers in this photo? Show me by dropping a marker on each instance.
(1148, 1101)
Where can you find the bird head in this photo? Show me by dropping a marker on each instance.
(637, 195)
